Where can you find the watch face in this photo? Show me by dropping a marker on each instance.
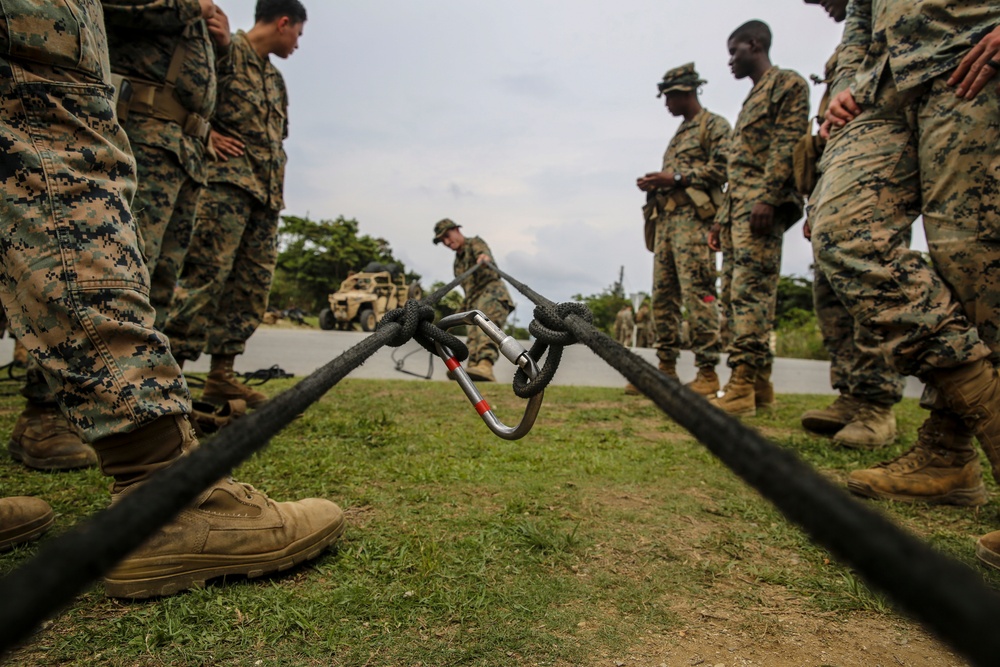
(678, 178)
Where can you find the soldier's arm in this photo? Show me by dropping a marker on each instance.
(791, 121)
(853, 46)
(713, 172)
(480, 250)
(163, 16)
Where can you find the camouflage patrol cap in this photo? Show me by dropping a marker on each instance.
(442, 227)
(683, 78)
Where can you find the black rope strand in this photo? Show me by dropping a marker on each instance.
(49, 581)
(944, 594)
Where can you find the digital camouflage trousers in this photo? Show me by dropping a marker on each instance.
(75, 286)
(222, 293)
(684, 276)
(922, 152)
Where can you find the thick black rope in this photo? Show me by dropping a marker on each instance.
(946, 595)
(65, 565)
(547, 328)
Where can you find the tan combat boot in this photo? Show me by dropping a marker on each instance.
(22, 519)
(832, 418)
(763, 390)
(738, 395)
(43, 439)
(972, 391)
(481, 371)
(941, 468)
(221, 385)
(229, 529)
(706, 383)
(872, 427)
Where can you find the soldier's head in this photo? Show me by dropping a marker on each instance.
(447, 232)
(837, 9)
(749, 46)
(680, 88)
(279, 23)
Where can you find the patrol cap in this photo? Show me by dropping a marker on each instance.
(683, 78)
(442, 227)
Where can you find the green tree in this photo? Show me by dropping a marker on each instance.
(605, 306)
(795, 301)
(315, 256)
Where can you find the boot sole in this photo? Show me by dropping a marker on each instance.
(158, 576)
(974, 497)
(822, 426)
(870, 446)
(476, 377)
(51, 463)
(987, 556)
(31, 531)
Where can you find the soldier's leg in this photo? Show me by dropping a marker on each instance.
(242, 301)
(695, 268)
(219, 227)
(161, 179)
(42, 437)
(869, 196)
(666, 294)
(75, 287)
(173, 248)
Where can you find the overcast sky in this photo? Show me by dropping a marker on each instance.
(525, 121)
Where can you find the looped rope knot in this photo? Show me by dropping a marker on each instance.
(548, 329)
(416, 322)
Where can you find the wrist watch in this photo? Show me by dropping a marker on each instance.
(679, 179)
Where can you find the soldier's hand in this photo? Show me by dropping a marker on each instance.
(842, 110)
(225, 146)
(761, 219)
(824, 129)
(218, 28)
(656, 179)
(208, 8)
(978, 67)
(483, 258)
(807, 230)
(715, 237)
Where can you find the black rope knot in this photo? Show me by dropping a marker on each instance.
(416, 320)
(549, 330)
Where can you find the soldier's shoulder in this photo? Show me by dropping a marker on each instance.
(789, 78)
(718, 119)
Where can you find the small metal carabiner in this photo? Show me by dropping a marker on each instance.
(509, 348)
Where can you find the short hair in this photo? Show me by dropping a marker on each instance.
(272, 10)
(755, 30)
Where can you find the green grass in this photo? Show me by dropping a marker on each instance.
(463, 549)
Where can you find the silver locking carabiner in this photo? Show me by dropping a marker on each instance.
(512, 351)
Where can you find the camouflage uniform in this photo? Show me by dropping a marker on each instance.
(74, 282)
(144, 38)
(858, 368)
(683, 264)
(624, 325)
(915, 149)
(759, 166)
(485, 291)
(224, 285)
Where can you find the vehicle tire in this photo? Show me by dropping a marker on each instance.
(367, 319)
(414, 292)
(326, 320)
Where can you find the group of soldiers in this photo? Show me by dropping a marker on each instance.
(143, 177)
(634, 329)
(908, 128)
(109, 287)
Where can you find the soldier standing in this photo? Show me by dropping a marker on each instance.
(484, 290)
(222, 294)
(914, 124)
(861, 416)
(169, 61)
(685, 195)
(624, 326)
(760, 204)
(75, 286)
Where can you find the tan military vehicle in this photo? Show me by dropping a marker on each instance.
(363, 298)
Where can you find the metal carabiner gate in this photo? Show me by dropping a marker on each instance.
(513, 352)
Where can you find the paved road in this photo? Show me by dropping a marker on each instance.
(301, 351)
